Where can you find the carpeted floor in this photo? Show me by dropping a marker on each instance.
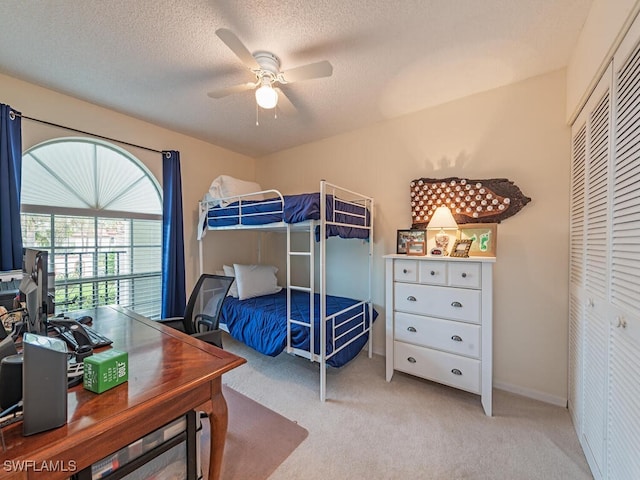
(409, 428)
(258, 439)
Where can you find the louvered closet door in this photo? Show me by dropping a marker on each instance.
(576, 271)
(624, 349)
(596, 325)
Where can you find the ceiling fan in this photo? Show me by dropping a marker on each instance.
(266, 68)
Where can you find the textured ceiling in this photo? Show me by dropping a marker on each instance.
(157, 59)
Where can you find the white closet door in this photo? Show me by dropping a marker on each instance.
(576, 271)
(596, 325)
(624, 402)
(624, 349)
(625, 223)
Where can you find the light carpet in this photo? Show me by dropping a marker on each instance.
(406, 429)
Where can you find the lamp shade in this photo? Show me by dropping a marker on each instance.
(441, 219)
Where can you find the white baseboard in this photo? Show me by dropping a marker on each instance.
(530, 393)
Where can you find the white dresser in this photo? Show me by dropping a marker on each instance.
(439, 320)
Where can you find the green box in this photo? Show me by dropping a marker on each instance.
(105, 370)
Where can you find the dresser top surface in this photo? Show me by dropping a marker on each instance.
(402, 256)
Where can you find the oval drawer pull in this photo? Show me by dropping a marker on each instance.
(412, 329)
(456, 338)
(432, 272)
(455, 371)
(456, 304)
(405, 271)
(411, 298)
(411, 360)
(464, 275)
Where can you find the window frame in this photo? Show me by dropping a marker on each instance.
(96, 214)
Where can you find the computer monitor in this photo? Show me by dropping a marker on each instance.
(35, 290)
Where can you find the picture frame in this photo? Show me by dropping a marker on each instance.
(417, 248)
(432, 247)
(485, 236)
(406, 236)
(461, 248)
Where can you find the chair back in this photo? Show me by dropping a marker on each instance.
(205, 303)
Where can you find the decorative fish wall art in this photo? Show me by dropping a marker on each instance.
(470, 201)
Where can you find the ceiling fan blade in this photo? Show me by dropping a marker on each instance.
(223, 92)
(237, 47)
(306, 72)
(284, 104)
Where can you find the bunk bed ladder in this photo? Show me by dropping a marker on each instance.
(310, 255)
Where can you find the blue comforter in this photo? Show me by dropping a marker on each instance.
(261, 323)
(296, 208)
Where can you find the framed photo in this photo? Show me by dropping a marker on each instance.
(416, 248)
(485, 236)
(432, 246)
(461, 248)
(406, 236)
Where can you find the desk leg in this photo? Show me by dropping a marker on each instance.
(218, 420)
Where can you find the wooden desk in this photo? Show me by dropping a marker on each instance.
(170, 373)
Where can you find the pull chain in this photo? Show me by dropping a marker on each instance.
(275, 114)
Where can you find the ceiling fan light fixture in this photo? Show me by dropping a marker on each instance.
(265, 66)
(266, 96)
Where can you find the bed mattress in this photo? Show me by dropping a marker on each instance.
(261, 323)
(296, 209)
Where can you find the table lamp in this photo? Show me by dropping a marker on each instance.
(442, 220)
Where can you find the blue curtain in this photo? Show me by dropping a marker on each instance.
(10, 183)
(173, 284)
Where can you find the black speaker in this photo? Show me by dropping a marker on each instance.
(10, 381)
(44, 383)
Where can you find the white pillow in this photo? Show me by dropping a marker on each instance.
(256, 280)
(229, 272)
(226, 186)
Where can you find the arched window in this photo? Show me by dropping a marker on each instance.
(98, 212)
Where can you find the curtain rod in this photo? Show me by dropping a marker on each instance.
(87, 133)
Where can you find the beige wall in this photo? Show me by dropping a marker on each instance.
(517, 132)
(200, 161)
(603, 30)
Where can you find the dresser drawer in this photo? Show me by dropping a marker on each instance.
(465, 274)
(448, 335)
(405, 270)
(453, 370)
(453, 303)
(433, 273)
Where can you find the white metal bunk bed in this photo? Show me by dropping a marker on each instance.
(336, 205)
